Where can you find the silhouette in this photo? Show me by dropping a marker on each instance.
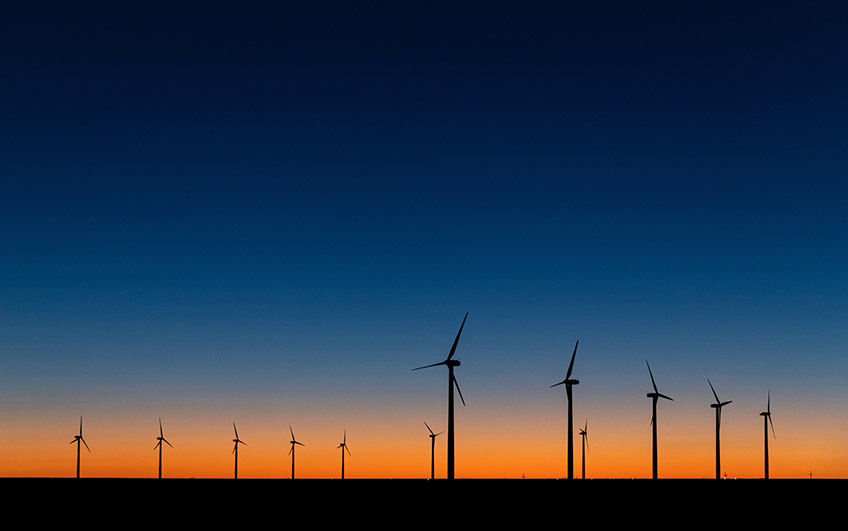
(78, 439)
(343, 446)
(432, 451)
(568, 382)
(450, 363)
(767, 415)
(654, 396)
(293, 442)
(160, 440)
(584, 433)
(718, 405)
(236, 442)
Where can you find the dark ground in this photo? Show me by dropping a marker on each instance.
(413, 503)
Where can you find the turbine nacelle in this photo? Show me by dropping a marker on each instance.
(659, 395)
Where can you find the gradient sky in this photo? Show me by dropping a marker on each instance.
(216, 213)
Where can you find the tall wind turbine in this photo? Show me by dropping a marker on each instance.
(236, 442)
(160, 440)
(293, 442)
(717, 406)
(767, 415)
(584, 433)
(568, 382)
(78, 439)
(343, 446)
(432, 450)
(654, 396)
(450, 363)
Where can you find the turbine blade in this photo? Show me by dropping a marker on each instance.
(300, 443)
(160, 428)
(714, 393)
(560, 383)
(666, 397)
(458, 390)
(292, 431)
(89, 449)
(774, 435)
(347, 450)
(768, 407)
(571, 365)
(291, 450)
(428, 428)
(169, 444)
(652, 377)
(80, 425)
(235, 430)
(455, 341)
(158, 444)
(431, 365)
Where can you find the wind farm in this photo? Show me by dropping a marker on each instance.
(277, 214)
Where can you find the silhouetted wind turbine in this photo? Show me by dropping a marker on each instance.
(432, 450)
(78, 439)
(568, 382)
(654, 396)
(236, 442)
(450, 363)
(343, 446)
(767, 415)
(718, 405)
(160, 440)
(584, 433)
(293, 442)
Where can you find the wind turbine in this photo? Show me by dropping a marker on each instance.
(343, 446)
(767, 415)
(717, 406)
(432, 450)
(160, 440)
(654, 396)
(568, 382)
(78, 439)
(236, 442)
(293, 442)
(450, 363)
(584, 433)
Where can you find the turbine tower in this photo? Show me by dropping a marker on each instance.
(584, 433)
(717, 406)
(654, 396)
(160, 440)
(78, 439)
(236, 442)
(343, 446)
(450, 363)
(432, 450)
(767, 415)
(293, 442)
(568, 382)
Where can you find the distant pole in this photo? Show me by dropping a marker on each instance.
(570, 435)
(343, 462)
(765, 428)
(450, 421)
(718, 444)
(235, 471)
(432, 458)
(655, 438)
(292, 460)
(78, 458)
(584, 457)
(160, 459)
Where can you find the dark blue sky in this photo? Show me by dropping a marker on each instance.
(212, 189)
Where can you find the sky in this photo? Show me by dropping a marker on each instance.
(268, 214)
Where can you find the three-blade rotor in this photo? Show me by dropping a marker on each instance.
(294, 441)
(568, 382)
(585, 433)
(343, 444)
(432, 435)
(450, 362)
(236, 441)
(767, 413)
(718, 403)
(656, 392)
(161, 438)
(79, 438)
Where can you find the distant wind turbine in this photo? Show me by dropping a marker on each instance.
(767, 415)
(293, 443)
(236, 442)
(450, 364)
(568, 382)
(717, 406)
(584, 433)
(432, 450)
(159, 442)
(343, 446)
(78, 439)
(654, 396)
